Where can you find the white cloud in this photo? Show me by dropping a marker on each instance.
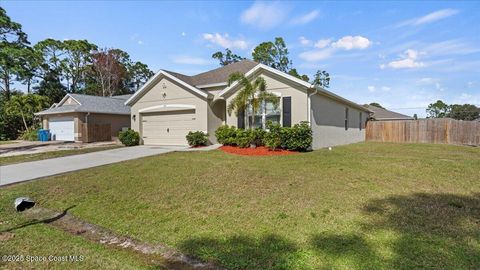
(306, 18)
(183, 34)
(431, 17)
(350, 42)
(322, 43)
(427, 80)
(373, 89)
(325, 48)
(264, 15)
(304, 41)
(386, 88)
(224, 41)
(317, 55)
(409, 61)
(189, 60)
(140, 42)
(466, 98)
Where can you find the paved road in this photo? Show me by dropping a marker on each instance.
(15, 173)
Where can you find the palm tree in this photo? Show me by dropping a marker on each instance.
(251, 94)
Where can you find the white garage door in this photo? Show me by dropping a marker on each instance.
(168, 128)
(62, 129)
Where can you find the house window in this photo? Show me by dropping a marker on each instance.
(266, 112)
(346, 118)
(360, 121)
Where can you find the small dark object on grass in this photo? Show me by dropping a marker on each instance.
(456, 204)
(23, 203)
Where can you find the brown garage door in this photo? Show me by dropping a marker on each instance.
(168, 128)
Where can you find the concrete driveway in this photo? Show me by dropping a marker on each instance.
(16, 173)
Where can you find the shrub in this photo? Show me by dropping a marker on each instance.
(298, 137)
(129, 137)
(258, 134)
(30, 135)
(244, 137)
(273, 138)
(226, 135)
(197, 138)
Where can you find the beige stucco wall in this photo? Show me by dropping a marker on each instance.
(328, 123)
(285, 88)
(216, 118)
(174, 94)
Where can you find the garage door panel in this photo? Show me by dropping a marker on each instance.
(62, 128)
(168, 128)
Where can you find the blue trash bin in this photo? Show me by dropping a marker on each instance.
(40, 134)
(47, 134)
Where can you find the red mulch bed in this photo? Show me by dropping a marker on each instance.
(259, 151)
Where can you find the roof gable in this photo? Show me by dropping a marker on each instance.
(156, 78)
(257, 69)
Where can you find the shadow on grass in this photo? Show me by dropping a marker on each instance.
(431, 231)
(349, 248)
(44, 221)
(440, 231)
(417, 231)
(240, 252)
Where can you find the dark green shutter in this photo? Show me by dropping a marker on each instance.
(287, 111)
(241, 119)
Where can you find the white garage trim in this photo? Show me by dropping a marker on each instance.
(167, 107)
(62, 128)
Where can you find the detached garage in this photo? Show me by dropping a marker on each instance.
(75, 116)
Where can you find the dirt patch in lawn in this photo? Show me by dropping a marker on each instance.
(258, 151)
(75, 226)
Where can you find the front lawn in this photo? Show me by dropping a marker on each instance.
(52, 154)
(7, 142)
(362, 206)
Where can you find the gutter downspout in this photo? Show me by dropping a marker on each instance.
(86, 122)
(86, 117)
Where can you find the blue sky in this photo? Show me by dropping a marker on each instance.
(403, 55)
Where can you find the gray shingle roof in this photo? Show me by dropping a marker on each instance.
(383, 114)
(93, 104)
(218, 75)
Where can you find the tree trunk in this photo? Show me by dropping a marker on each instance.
(24, 122)
(6, 81)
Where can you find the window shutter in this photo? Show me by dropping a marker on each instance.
(241, 119)
(287, 111)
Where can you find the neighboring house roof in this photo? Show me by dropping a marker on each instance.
(384, 114)
(219, 77)
(92, 104)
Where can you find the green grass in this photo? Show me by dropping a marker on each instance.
(7, 142)
(52, 154)
(362, 206)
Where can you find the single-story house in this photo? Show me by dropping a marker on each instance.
(169, 105)
(65, 120)
(381, 114)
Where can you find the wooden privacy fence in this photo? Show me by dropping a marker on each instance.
(447, 131)
(96, 133)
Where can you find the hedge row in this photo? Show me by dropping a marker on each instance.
(296, 138)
